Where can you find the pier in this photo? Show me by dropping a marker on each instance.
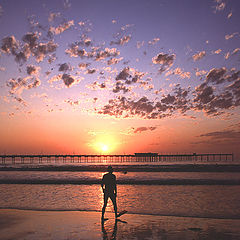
(134, 158)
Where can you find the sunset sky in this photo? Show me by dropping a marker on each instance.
(107, 76)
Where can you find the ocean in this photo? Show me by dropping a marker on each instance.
(199, 194)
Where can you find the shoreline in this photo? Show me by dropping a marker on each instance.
(129, 168)
(125, 182)
(29, 224)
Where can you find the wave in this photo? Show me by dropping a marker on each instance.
(128, 168)
(125, 181)
(129, 212)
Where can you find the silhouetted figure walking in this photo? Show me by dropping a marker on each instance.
(109, 188)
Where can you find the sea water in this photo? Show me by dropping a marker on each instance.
(207, 201)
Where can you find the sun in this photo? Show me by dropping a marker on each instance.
(104, 148)
(104, 144)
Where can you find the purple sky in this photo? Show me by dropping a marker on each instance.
(164, 70)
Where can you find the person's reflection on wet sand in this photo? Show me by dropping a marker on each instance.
(114, 233)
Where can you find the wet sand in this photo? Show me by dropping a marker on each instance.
(24, 224)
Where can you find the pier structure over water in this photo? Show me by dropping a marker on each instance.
(134, 158)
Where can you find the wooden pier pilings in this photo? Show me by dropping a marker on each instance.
(136, 158)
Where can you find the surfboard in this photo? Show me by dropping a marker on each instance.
(121, 213)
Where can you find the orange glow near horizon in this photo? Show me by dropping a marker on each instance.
(104, 144)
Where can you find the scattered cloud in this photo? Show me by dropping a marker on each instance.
(220, 5)
(229, 15)
(223, 135)
(154, 41)
(112, 61)
(140, 44)
(198, 56)
(66, 4)
(61, 28)
(143, 129)
(72, 103)
(147, 109)
(83, 65)
(217, 51)
(121, 41)
(229, 36)
(179, 72)
(164, 60)
(18, 85)
(64, 67)
(53, 16)
(68, 79)
(33, 70)
(96, 86)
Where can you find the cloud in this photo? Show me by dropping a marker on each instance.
(91, 71)
(198, 56)
(32, 46)
(124, 74)
(55, 78)
(235, 88)
(20, 100)
(83, 65)
(140, 44)
(229, 15)
(68, 79)
(220, 6)
(64, 67)
(216, 75)
(199, 73)
(154, 41)
(9, 45)
(178, 71)
(119, 86)
(32, 70)
(217, 51)
(17, 85)
(96, 53)
(229, 36)
(96, 86)
(114, 61)
(107, 52)
(143, 129)
(223, 135)
(234, 52)
(43, 49)
(204, 95)
(74, 51)
(216, 101)
(66, 4)
(121, 41)
(165, 60)
(130, 75)
(52, 16)
(72, 103)
(144, 108)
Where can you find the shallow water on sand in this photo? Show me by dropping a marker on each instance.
(215, 201)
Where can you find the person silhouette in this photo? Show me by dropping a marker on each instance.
(109, 188)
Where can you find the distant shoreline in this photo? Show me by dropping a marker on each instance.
(124, 182)
(129, 168)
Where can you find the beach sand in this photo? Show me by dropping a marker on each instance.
(67, 225)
